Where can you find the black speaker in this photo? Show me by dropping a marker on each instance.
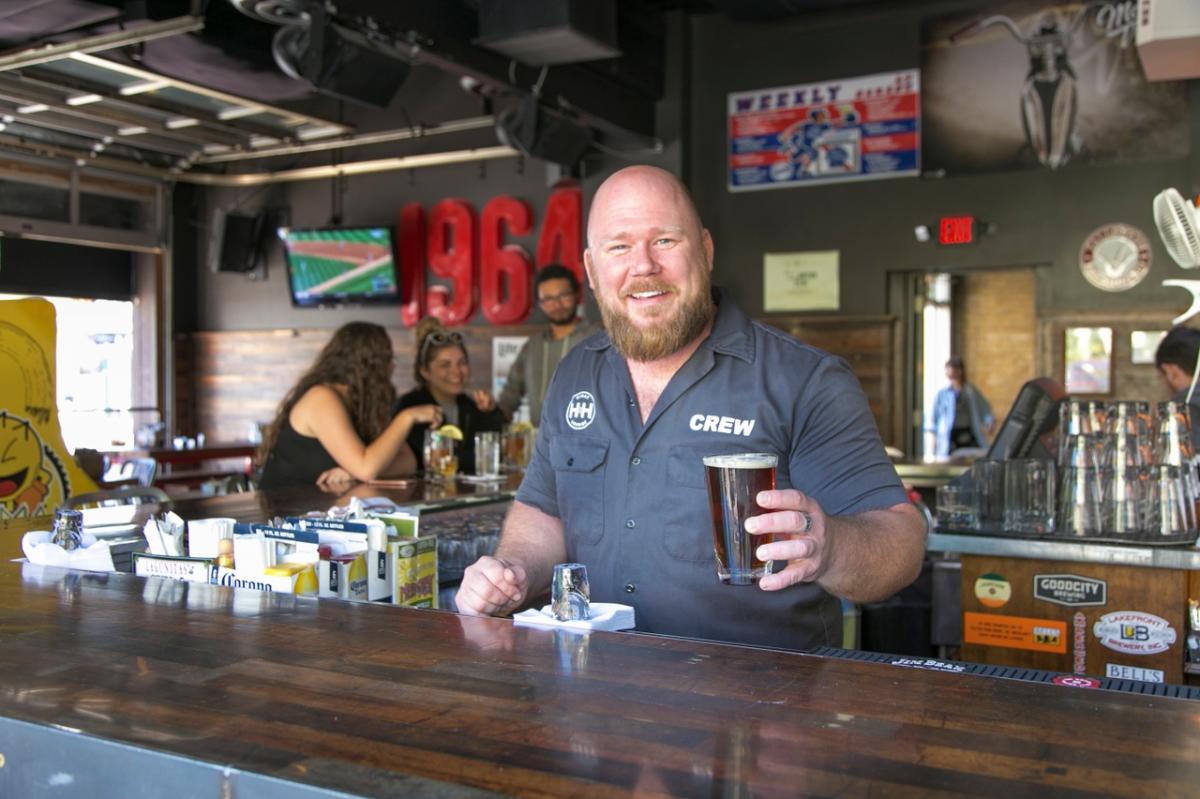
(345, 64)
(543, 133)
(240, 238)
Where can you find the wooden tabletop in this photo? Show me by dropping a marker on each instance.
(376, 701)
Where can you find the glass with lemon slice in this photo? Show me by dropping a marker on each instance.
(441, 452)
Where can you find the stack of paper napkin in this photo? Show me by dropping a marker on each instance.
(605, 616)
(92, 555)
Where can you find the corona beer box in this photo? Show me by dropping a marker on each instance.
(415, 571)
(343, 576)
(286, 578)
(380, 569)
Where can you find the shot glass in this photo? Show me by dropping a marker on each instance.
(1029, 496)
(570, 595)
(733, 485)
(955, 507)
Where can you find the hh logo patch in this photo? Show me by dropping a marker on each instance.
(581, 410)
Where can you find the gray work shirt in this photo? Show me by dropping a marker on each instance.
(633, 499)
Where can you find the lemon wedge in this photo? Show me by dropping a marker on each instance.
(521, 427)
(450, 431)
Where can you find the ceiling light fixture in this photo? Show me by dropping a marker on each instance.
(84, 99)
(237, 112)
(32, 108)
(142, 86)
(175, 123)
(131, 130)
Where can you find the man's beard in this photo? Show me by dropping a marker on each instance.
(563, 318)
(669, 335)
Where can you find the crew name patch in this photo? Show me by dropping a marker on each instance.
(708, 423)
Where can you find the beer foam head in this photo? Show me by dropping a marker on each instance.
(743, 460)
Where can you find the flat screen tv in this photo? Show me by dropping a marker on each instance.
(340, 266)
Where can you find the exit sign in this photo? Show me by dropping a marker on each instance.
(956, 230)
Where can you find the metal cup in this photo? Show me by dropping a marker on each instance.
(68, 528)
(569, 592)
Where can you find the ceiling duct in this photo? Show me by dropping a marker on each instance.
(543, 133)
(341, 62)
(546, 32)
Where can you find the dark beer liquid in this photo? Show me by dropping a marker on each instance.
(731, 500)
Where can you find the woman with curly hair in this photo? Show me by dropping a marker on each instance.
(337, 421)
(441, 370)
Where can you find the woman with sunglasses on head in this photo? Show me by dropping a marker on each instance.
(442, 371)
(336, 423)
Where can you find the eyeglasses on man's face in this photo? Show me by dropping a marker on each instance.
(556, 298)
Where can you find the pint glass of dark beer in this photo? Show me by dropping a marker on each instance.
(733, 484)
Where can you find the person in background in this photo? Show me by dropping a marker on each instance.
(336, 423)
(1175, 360)
(962, 416)
(617, 482)
(442, 371)
(558, 295)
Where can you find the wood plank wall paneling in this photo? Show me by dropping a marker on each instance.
(867, 343)
(239, 377)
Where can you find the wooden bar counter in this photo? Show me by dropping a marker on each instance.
(114, 685)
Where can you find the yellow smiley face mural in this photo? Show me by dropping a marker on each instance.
(37, 471)
(24, 481)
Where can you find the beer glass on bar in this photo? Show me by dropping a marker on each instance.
(733, 485)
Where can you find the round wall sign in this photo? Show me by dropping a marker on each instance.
(1115, 257)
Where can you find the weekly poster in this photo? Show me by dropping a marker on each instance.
(862, 128)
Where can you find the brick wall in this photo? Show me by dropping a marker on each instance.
(998, 323)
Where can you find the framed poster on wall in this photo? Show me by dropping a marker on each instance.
(861, 128)
(1087, 360)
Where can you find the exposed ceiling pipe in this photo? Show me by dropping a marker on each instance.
(381, 137)
(85, 160)
(107, 41)
(352, 168)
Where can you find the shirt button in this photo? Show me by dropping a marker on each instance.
(630, 588)
(635, 460)
(570, 461)
(630, 523)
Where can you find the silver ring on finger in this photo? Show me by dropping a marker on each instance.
(807, 521)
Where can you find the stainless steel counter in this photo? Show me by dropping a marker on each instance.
(1149, 557)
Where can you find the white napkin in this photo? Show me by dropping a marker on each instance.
(605, 616)
(165, 536)
(476, 479)
(92, 556)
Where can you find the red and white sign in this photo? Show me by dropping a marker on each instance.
(478, 270)
(1075, 681)
(1134, 632)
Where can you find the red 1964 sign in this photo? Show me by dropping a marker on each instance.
(456, 252)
